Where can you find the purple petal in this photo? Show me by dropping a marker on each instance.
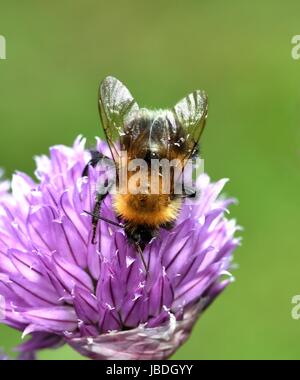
(71, 275)
(58, 319)
(86, 306)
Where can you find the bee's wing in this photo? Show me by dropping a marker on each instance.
(116, 104)
(191, 113)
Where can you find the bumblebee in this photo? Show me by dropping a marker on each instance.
(147, 135)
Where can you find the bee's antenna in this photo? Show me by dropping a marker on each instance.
(98, 217)
(139, 249)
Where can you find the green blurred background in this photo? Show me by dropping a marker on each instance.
(240, 53)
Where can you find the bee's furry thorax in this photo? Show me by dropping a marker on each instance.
(150, 210)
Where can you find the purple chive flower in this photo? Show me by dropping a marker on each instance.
(60, 288)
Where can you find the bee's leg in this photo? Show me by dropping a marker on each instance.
(96, 213)
(186, 192)
(94, 161)
(189, 193)
(96, 216)
(96, 158)
(169, 225)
